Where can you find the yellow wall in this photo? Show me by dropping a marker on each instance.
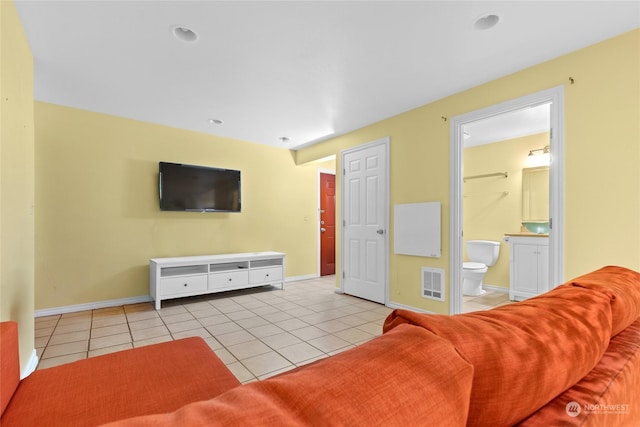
(488, 212)
(98, 221)
(602, 178)
(16, 179)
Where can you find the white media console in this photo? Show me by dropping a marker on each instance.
(196, 275)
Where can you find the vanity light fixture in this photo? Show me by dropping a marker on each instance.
(545, 150)
(539, 157)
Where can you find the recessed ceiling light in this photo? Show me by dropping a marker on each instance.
(184, 34)
(486, 22)
(215, 121)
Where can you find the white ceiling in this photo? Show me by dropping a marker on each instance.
(515, 124)
(305, 70)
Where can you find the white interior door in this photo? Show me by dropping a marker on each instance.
(365, 210)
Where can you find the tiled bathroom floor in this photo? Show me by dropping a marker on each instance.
(256, 332)
(489, 300)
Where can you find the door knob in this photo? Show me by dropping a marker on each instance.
(380, 231)
(322, 230)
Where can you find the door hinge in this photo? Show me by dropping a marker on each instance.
(343, 275)
(344, 222)
(344, 172)
(550, 223)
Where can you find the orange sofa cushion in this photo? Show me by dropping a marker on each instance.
(622, 285)
(406, 377)
(146, 380)
(524, 354)
(606, 396)
(9, 362)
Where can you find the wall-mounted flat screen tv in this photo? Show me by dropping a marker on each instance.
(198, 188)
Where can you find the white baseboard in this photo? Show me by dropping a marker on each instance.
(92, 306)
(31, 365)
(299, 278)
(124, 301)
(395, 305)
(495, 289)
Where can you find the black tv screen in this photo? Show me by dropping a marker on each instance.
(198, 188)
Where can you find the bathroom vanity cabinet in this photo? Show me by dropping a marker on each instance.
(528, 265)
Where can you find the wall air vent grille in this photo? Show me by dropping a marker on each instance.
(433, 283)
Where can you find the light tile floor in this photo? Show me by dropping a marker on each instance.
(257, 332)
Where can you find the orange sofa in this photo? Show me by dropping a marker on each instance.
(89, 392)
(569, 357)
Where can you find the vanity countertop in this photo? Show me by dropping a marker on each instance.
(526, 234)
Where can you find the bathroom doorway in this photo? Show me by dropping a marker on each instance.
(490, 150)
(495, 159)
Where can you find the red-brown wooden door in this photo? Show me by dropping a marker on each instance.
(327, 224)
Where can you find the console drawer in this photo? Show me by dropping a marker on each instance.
(183, 285)
(228, 279)
(265, 275)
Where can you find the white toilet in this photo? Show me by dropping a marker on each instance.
(482, 254)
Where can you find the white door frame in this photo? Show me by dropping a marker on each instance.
(555, 96)
(343, 202)
(328, 172)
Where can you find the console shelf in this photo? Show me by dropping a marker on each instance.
(196, 275)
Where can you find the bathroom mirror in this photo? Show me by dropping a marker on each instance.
(535, 194)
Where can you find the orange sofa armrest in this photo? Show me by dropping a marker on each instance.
(151, 379)
(9, 362)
